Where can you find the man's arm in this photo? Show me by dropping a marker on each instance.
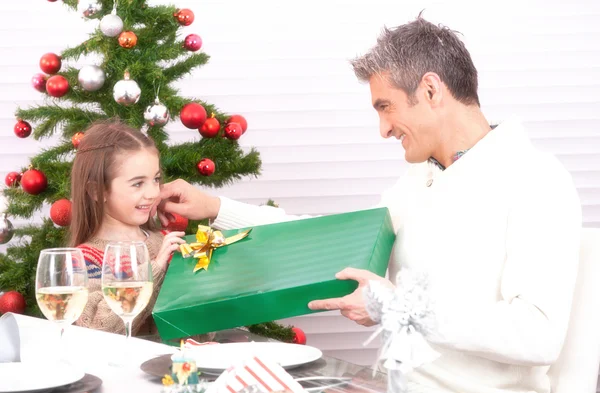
(529, 325)
(233, 214)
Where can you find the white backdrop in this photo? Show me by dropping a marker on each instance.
(284, 66)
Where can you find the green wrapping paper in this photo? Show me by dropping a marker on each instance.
(273, 273)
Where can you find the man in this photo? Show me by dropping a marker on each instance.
(492, 221)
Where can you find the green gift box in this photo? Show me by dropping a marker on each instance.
(273, 273)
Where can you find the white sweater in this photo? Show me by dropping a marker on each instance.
(498, 233)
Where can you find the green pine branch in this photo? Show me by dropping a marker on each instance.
(273, 330)
(47, 118)
(52, 154)
(230, 163)
(71, 4)
(18, 265)
(184, 67)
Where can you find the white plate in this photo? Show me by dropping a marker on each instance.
(32, 376)
(219, 357)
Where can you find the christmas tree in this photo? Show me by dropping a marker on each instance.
(139, 55)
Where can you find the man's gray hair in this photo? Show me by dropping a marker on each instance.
(411, 50)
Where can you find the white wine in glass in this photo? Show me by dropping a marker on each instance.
(61, 286)
(127, 280)
(127, 299)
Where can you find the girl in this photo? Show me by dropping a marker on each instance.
(115, 182)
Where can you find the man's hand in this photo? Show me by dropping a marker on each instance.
(182, 198)
(351, 306)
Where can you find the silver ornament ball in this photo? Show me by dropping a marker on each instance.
(91, 77)
(6, 230)
(156, 114)
(111, 25)
(89, 8)
(127, 92)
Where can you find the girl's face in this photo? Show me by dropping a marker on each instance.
(134, 188)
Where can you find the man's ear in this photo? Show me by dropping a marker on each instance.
(432, 85)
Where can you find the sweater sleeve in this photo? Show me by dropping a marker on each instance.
(234, 214)
(97, 314)
(528, 326)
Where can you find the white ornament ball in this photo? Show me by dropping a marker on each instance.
(111, 25)
(91, 77)
(127, 92)
(156, 114)
(88, 8)
(6, 229)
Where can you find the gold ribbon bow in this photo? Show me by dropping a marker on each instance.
(207, 240)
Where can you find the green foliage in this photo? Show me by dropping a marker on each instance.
(273, 330)
(18, 265)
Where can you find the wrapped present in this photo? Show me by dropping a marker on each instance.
(271, 273)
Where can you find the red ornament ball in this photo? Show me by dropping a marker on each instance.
(192, 42)
(22, 129)
(12, 179)
(185, 17)
(76, 139)
(60, 212)
(57, 86)
(233, 131)
(299, 336)
(206, 167)
(34, 182)
(240, 120)
(193, 115)
(38, 81)
(127, 39)
(13, 302)
(179, 225)
(50, 63)
(210, 128)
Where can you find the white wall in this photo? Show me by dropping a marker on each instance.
(283, 65)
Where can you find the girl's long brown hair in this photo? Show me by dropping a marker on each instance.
(94, 169)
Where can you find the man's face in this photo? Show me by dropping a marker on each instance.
(411, 121)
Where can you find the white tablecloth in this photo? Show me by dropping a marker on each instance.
(91, 350)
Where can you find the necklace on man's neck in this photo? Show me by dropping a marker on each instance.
(455, 157)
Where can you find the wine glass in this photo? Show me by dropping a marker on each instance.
(61, 287)
(126, 281)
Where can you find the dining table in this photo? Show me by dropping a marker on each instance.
(111, 364)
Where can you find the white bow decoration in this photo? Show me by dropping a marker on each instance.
(405, 315)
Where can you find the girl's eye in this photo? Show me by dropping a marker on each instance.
(157, 179)
(138, 184)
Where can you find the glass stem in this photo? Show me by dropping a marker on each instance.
(61, 345)
(128, 323)
(128, 329)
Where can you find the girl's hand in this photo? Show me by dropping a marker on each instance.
(170, 244)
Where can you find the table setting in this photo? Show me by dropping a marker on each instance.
(91, 371)
(52, 355)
